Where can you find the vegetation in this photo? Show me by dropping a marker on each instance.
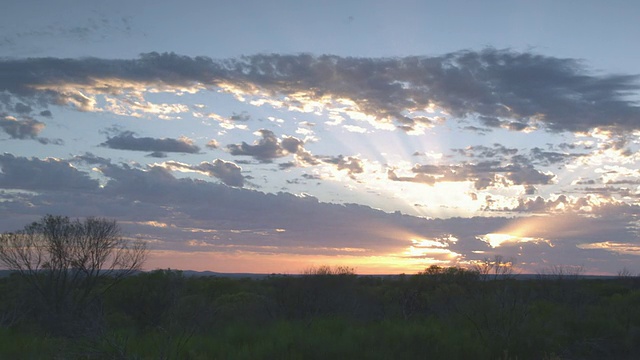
(439, 313)
(65, 266)
(442, 313)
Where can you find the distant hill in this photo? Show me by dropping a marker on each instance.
(190, 273)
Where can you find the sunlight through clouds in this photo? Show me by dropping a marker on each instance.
(496, 240)
(283, 147)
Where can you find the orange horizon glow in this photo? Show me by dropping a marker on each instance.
(278, 264)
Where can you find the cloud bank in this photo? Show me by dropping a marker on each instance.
(503, 88)
(187, 215)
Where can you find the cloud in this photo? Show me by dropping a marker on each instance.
(616, 247)
(127, 141)
(540, 156)
(352, 164)
(268, 148)
(118, 84)
(535, 156)
(42, 175)
(243, 116)
(595, 203)
(158, 154)
(520, 91)
(228, 172)
(92, 159)
(482, 151)
(201, 216)
(21, 129)
(483, 174)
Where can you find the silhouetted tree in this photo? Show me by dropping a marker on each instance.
(498, 267)
(328, 270)
(69, 263)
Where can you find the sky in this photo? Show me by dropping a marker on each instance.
(271, 136)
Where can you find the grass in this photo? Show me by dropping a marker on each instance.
(323, 338)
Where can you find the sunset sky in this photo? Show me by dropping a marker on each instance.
(268, 136)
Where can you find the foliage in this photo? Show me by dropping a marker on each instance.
(440, 313)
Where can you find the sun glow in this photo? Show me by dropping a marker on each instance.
(250, 262)
(498, 239)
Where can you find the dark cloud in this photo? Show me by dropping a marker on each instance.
(25, 77)
(287, 165)
(352, 164)
(27, 128)
(292, 145)
(46, 141)
(243, 116)
(92, 159)
(39, 175)
(268, 148)
(158, 154)
(478, 130)
(540, 156)
(609, 191)
(517, 126)
(535, 156)
(526, 175)
(418, 178)
(483, 174)
(513, 89)
(616, 182)
(311, 176)
(127, 141)
(591, 204)
(228, 172)
(482, 151)
(502, 88)
(586, 182)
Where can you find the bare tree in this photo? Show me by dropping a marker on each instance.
(625, 273)
(328, 270)
(562, 272)
(71, 262)
(498, 267)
